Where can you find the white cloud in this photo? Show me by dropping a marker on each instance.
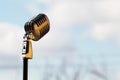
(105, 11)
(68, 14)
(105, 31)
(44, 1)
(54, 42)
(10, 38)
(105, 20)
(33, 9)
(118, 76)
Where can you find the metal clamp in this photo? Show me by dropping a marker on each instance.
(27, 47)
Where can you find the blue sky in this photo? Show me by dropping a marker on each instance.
(12, 11)
(82, 31)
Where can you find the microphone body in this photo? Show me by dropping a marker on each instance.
(37, 27)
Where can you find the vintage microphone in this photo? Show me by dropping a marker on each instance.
(38, 26)
(35, 29)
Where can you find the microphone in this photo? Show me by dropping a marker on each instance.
(37, 27)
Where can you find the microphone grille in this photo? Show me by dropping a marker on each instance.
(38, 26)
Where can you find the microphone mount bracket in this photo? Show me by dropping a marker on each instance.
(27, 46)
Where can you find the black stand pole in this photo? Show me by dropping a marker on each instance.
(25, 69)
(27, 54)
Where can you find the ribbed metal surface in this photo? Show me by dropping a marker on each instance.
(38, 26)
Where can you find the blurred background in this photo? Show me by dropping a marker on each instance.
(83, 42)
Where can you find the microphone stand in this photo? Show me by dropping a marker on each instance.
(27, 54)
(25, 69)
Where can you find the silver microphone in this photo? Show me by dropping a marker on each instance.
(37, 27)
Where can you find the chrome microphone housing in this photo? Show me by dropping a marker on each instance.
(37, 27)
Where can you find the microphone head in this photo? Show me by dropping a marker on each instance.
(37, 27)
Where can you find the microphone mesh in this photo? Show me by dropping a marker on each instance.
(38, 26)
